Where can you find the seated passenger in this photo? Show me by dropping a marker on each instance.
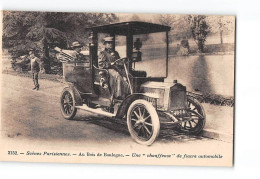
(107, 57)
(77, 55)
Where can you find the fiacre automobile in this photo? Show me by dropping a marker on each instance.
(152, 101)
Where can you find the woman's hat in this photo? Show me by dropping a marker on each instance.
(76, 44)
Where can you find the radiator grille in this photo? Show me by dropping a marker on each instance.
(177, 99)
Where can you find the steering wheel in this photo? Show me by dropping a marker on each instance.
(121, 59)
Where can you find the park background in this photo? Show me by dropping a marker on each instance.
(201, 47)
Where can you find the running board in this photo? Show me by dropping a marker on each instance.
(97, 111)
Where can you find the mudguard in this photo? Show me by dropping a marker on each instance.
(77, 97)
(122, 110)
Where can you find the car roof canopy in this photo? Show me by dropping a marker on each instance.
(133, 27)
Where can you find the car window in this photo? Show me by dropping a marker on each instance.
(153, 54)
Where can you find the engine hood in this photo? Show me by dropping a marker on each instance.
(155, 84)
(171, 95)
(162, 85)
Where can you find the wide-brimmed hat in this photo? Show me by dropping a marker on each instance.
(108, 39)
(76, 44)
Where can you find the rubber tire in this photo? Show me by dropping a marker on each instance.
(199, 128)
(72, 115)
(154, 118)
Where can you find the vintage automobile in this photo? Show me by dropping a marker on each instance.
(151, 103)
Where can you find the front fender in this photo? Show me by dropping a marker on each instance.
(122, 110)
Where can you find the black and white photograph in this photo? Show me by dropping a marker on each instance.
(118, 88)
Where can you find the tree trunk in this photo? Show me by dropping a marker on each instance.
(201, 46)
(46, 57)
(221, 36)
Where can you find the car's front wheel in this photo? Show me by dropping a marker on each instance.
(143, 122)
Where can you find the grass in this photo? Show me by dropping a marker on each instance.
(210, 49)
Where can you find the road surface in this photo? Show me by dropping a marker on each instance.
(33, 118)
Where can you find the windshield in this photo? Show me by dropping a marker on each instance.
(153, 54)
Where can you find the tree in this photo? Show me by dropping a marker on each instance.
(221, 25)
(199, 30)
(143, 37)
(181, 28)
(168, 20)
(43, 30)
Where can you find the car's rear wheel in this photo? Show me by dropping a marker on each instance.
(196, 117)
(67, 104)
(143, 122)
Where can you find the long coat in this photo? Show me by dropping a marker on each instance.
(118, 86)
(35, 64)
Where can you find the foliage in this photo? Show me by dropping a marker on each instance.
(213, 99)
(143, 37)
(199, 30)
(184, 48)
(185, 43)
(222, 25)
(44, 30)
(182, 28)
(167, 20)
